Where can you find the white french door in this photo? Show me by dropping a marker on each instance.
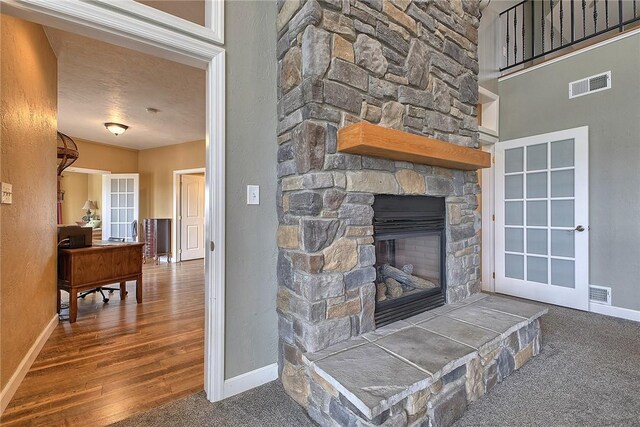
(542, 218)
(120, 205)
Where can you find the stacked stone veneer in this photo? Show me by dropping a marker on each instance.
(438, 401)
(402, 64)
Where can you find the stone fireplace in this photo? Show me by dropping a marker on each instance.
(409, 235)
(409, 66)
(342, 266)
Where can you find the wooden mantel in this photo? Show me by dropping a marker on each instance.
(372, 140)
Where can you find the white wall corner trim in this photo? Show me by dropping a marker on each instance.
(250, 380)
(609, 310)
(16, 379)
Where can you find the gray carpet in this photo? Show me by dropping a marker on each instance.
(588, 374)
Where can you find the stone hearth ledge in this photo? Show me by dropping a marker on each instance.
(377, 370)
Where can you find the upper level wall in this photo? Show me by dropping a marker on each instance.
(537, 102)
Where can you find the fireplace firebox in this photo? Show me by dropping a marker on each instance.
(410, 244)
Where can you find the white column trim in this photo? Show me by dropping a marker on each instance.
(250, 380)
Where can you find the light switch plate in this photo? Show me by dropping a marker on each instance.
(7, 193)
(253, 194)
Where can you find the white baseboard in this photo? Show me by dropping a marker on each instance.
(16, 379)
(609, 310)
(250, 380)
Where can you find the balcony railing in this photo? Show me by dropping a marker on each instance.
(535, 28)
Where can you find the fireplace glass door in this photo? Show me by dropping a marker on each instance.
(409, 235)
(407, 265)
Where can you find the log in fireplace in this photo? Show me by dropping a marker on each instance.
(410, 242)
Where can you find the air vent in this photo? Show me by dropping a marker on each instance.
(590, 85)
(600, 294)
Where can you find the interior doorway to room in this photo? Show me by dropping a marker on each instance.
(139, 352)
(189, 214)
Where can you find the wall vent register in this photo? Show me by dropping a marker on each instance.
(590, 85)
(600, 294)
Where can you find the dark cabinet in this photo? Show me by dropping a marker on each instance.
(156, 234)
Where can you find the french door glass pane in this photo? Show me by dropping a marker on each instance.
(562, 213)
(130, 185)
(537, 213)
(537, 269)
(563, 243)
(514, 160)
(513, 214)
(563, 273)
(513, 187)
(514, 266)
(537, 241)
(562, 154)
(114, 185)
(536, 185)
(114, 200)
(562, 183)
(514, 239)
(536, 157)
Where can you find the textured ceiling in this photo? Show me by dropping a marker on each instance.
(99, 82)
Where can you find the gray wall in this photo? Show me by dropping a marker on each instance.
(490, 46)
(251, 323)
(538, 102)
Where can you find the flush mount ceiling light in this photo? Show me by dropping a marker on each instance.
(116, 128)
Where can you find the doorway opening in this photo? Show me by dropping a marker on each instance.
(118, 25)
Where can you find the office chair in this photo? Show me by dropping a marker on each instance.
(101, 289)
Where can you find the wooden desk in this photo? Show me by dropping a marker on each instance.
(98, 265)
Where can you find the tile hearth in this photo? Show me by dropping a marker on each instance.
(428, 367)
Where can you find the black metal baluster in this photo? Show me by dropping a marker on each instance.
(551, 20)
(523, 48)
(533, 29)
(507, 37)
(584, 18)
(606, 14)
(620, 26)
(515, 32)
(561, 22)
(635, 9)
(542, 33)
(595, 16)
(573, 22)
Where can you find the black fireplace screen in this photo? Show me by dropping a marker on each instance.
(409, 234)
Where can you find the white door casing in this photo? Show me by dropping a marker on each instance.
(542, 218)
(120, 205)
(173, 38)
(191, 217)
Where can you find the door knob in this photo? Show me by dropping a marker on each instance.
(580, 228)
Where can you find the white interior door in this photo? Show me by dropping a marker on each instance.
(542, 217)
(120, 205)
(191, 217)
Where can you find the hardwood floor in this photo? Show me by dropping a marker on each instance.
(120, 358)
